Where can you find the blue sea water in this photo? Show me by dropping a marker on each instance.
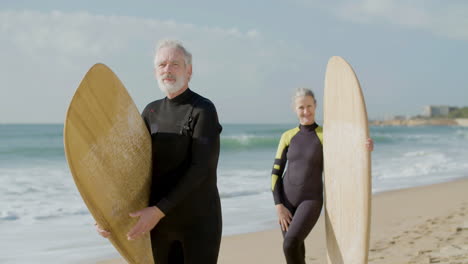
(43, 217)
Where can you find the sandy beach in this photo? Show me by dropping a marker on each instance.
(427, 224)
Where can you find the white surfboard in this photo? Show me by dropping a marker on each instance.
(347, 166)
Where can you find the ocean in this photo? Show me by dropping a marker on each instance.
(44, 220)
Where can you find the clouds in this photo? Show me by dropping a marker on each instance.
(248, 65)
(442, 18)
(83, 34)
(32, 32)
(51, 51)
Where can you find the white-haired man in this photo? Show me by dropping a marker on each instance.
(184, 213)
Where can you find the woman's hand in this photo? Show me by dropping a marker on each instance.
(149, 218)
(370, 144)
(284, 216)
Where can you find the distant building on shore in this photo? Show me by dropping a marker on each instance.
(400, 117)
(438, 110)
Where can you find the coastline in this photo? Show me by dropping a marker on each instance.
(425, 224)
(422, 122)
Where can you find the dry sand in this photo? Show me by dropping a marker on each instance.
(419, 225)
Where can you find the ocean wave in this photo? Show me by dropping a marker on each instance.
(243, 175)
(233, 183)
(41, 151)
(227, 195)
(398, 138)
(461, 133)
(416, 153)
(418, 164)
(41, 212)
(246, 141)
(383, 138)
(60, 212)
(8, 216)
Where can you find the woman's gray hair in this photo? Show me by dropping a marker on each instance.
(171, 43)
(301, 92)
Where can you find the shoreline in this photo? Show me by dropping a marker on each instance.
(424, 224)
(461, 122)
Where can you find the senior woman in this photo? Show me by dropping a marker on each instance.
(298, 194)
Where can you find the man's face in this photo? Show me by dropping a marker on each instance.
(171, 71)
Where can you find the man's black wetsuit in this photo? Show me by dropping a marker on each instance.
(185, 136)
(301, 187)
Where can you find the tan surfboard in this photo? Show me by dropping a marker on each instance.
(108, 150)
(347, 166)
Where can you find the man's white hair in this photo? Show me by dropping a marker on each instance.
(172, 43)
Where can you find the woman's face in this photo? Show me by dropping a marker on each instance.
(304, 106)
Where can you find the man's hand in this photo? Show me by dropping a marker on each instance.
(149, 218)
(104, 233)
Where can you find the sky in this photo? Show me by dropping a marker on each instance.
(248, 56)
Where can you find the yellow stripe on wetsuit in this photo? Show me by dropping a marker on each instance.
(280, 158)
(278, 168)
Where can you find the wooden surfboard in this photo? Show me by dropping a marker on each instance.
(347, 166)
(108, 150)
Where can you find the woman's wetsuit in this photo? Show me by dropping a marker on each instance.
(301, 188)
(185, 142)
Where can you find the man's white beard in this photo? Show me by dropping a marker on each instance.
(170, 88)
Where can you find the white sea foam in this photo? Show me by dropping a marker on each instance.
(8, 215)
(462, 133)
(243, 181)
(39, 193)
(416, 153)
(243, 139)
